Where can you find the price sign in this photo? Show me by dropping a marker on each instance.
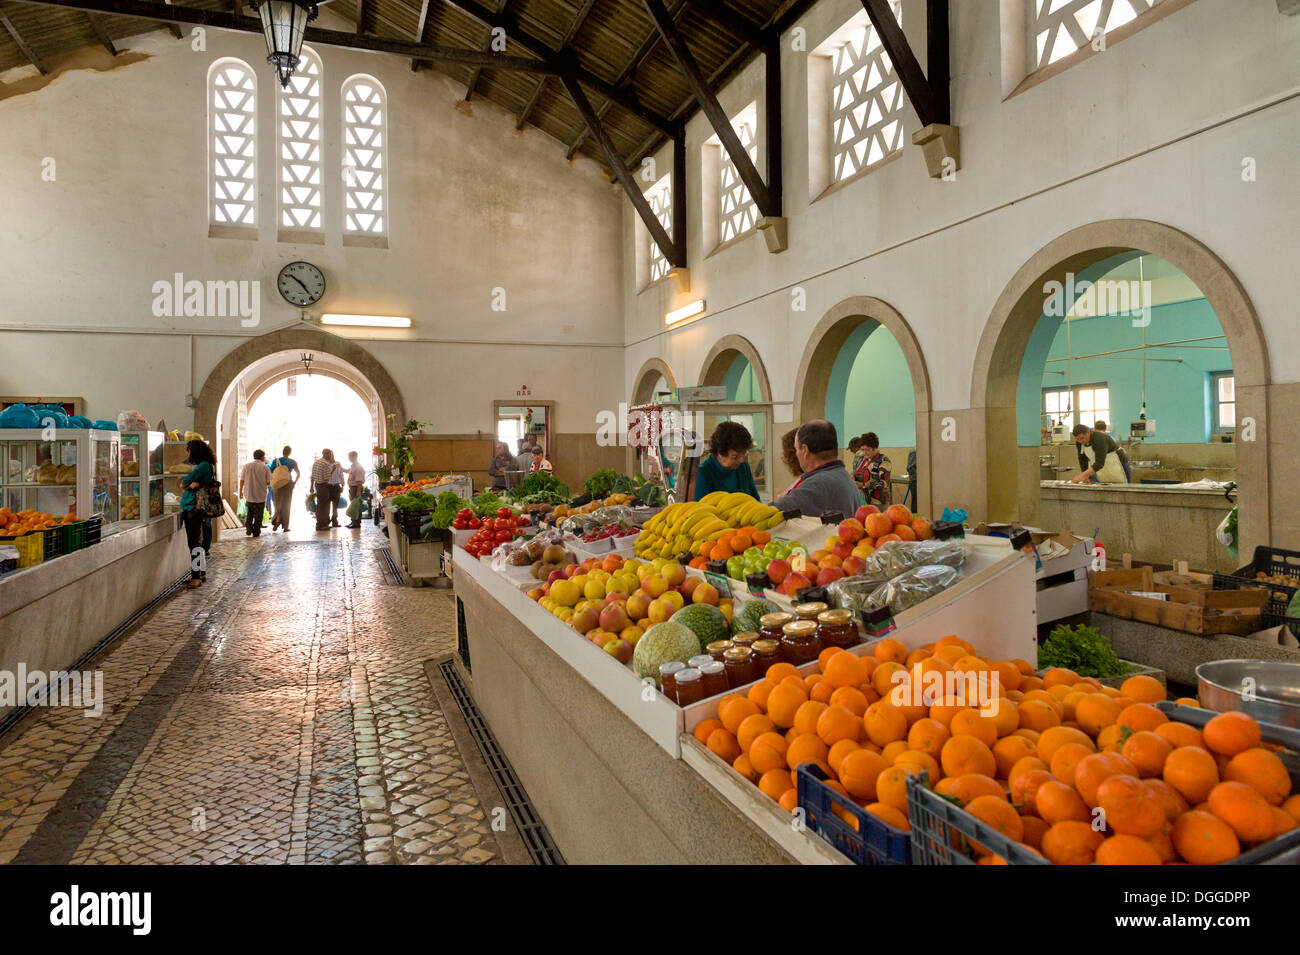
(722, 583)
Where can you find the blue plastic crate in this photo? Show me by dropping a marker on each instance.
(875, 842)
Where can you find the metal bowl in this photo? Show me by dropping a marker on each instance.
(1274, 686)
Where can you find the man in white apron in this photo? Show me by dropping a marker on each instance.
(1098, 457)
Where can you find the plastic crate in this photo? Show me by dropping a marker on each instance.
(31, 547)
(874, 842)
(8, 565)
(94, 526)
(76, 536)
(56, 541)
(942, 831)
(1270, 560)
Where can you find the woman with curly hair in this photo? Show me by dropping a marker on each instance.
(873, 472)
(725, 467)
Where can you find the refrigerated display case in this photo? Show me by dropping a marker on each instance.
(174, 457)
(141, 494)
(61, 471)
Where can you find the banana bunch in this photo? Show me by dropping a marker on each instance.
(683, 527)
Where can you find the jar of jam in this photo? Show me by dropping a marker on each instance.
(667, 678)
(837, 628)
(717, 648)
(799, 642)
(690, 688)
(699, 660)
(809, 611)
(741, 665)
(766, 653)
(744, 639)
(714, 677)
(770, 624)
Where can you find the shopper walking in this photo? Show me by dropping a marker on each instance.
(356, 478)
(321, 472)
(254, 480)
(284, 478)
(198, 529)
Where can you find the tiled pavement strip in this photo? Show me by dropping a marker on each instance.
(278, 714)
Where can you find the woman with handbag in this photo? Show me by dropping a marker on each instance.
(200, 488)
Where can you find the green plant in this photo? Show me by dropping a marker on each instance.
(399, 450)
(1082, 649)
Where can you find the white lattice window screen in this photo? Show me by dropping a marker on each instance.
(232, 143)
(365, 148)
(1059, 27)
(738, 212)
(300, 146)
(866, 103)
(660, 198)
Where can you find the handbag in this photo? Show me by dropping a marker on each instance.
(280, 477)
(210, 502)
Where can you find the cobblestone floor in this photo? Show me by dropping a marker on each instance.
(278, 714)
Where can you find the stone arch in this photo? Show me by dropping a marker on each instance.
(1009, 487)
(721, 356)
(825, 342)
(645, 380)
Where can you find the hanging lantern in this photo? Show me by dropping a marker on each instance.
(283, 23)
(306, 359)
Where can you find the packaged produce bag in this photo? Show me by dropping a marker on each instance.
(126, 420)
(354, 508)
(241, 512)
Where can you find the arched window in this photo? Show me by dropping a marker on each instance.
(365, 166)
(299, 121)
(232, 146)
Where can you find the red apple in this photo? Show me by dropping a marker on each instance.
(828, 575)
(853, 566)
(921, 527)
(620, 650)
(705, 593)
(793, 583)
(585, 620)
(851, 530)
(638, 605)
(615, 596)
(600, 637)
(536, 593)
(614, 618)
(687, 587)
(864, 510)
(842, 549)
(555, 575)
(570, 570)
(778, 571)
(674, 573)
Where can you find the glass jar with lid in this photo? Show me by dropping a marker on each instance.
(690, 686)
(810, 610)
(766, 653)
(837, 628)
(741, 665)
(799, 642)
(668, 678)
(699, 660)
(714, 677)
(770, 624)
(717, 648)
(744, 639)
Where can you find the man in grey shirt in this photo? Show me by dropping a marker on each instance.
(826, 484)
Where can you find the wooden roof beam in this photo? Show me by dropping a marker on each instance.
(487, 48)
(583, 12)
(419, 30)
(97, 24)
(22, 44)
(928, 96)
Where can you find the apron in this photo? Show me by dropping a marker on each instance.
(1112, 473)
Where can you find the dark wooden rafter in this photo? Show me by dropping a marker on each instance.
(101, 34)
(736, 23)
(928, 96)
(17, 37)
(767, 203)
(373, 43)
(583, 12)
(487, 48)
(174, 27)
(361, 16)
(672, 252)
(419, 30)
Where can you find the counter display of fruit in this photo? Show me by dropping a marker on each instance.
(687, 526)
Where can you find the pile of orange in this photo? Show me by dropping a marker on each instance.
(1075, 771)
(732, 542)
(12, 524)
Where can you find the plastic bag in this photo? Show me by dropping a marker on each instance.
(896, 557)
(354, 509)
(853, 592)
(917, 585)
(19, 416)
(131, 420)
(579, 524)
(241, 511)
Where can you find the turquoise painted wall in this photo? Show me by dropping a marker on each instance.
(871, 389)
(742, 385)
(1178, 394)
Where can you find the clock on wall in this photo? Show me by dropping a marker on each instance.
(301, 284)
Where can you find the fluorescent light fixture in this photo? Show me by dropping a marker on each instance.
(372, 321)
(686, 311)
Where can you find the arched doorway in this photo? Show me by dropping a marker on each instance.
(1011, 480)
(655, 376)
(734, 364)
(862, 370)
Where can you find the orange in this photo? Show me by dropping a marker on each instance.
(1055, 737)
(1282, 821)
(891, 786)
(949, 654)
(1109, 737)
(859, 771)
(1009, 675)
(768, 752)
(1005, 716)
(825, 656)
(784, 702)
(845, 669)
(946, 709)
(995, 811)
(1262, 771)
(1180, 734)
(759, 692)
(1292, 807)
(776, 782)
(838, 752)
(883, 680)
(1095, 769)
(1056, 802)
(733, 711)
(1036, 715)
(928, 736)
(889, 815)
(1147, 751)
(916, 656)
(1095, 712)
(921, 762)
(1174, 803)
(1143, 689)
(1059, 676)
(1127, 850)
(806, 748)
(779, 671)
(851, 698)
(1137, 717)
(890, 650)
(952, 640)
(965, 754)
(971, 723)
(1245, 810)
(724, 745)
(884, 723)
(1231, 733)
(1071, 843)
(1035, 829)
(1188, 701)
(821, 691)
(1031, 735)
(835, 723)
(811, 680)
(1010, 750)
(1030, 683)
(751, 728)
(743, 766)
(1024, 789)
(1066, 759)
(704, 729)
(893, 750)
(968, 787)
(1202, 838)
(1193, 772)
(1130, 807)
(805, 718)
(790, 800)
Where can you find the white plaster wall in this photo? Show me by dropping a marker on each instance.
(1156, 128)
(474, 206)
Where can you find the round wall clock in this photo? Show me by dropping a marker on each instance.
(301, 284)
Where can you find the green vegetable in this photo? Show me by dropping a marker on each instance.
(445, 511)
(485, 504)
(416, 501)
(1081, 649)
(601, 484)
(541, 483)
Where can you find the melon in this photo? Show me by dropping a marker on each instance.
(706, 621)
(662, 643)
(745, 620)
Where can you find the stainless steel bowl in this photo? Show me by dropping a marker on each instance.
(1274, 686)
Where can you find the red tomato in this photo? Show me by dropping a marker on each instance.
(504, 512)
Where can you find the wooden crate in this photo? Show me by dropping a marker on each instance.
(1201, 612)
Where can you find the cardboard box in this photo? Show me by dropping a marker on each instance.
(1079, 549)
(1200, 612)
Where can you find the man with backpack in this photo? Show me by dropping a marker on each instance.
(284, 477)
